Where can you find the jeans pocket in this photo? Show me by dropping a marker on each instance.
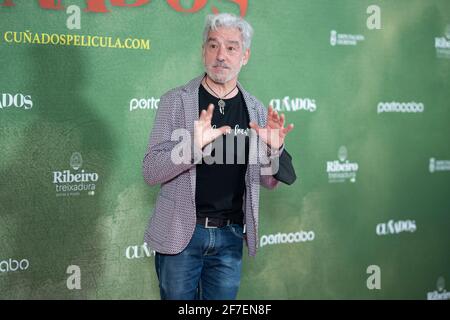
(237, 230)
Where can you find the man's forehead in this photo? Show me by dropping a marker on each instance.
(225, 34)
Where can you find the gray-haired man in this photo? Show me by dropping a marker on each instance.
(205, 209)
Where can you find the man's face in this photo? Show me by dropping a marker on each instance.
(223, 54)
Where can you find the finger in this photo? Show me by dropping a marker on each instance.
(276, 121)
(269, 113)
(288, 128)
(275, 116)
(210, 111)
(202, 115)
(282, 120)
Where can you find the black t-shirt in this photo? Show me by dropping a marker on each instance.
(220, 187)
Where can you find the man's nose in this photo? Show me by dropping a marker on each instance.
(220, 54)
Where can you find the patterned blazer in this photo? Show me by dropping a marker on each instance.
(172, 223)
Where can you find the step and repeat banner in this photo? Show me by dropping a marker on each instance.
(366, 83)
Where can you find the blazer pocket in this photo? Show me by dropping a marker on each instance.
(162, 216)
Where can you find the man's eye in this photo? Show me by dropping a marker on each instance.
(231, 48)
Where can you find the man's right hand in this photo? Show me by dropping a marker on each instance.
(203, 132)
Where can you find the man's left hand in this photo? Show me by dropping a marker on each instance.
(274, 132)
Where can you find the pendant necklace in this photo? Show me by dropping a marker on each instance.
(221, 103)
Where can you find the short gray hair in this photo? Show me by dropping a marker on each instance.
(227, 20)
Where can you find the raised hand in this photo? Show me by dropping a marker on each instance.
(274, 132)
(203, 132)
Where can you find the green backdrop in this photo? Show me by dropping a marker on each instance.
(366, 83)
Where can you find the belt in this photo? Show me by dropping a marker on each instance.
(217, 222)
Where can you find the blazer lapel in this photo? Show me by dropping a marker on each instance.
(253, 115)
(189, 96)
(252, 170)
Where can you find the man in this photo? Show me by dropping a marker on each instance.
(207, 206)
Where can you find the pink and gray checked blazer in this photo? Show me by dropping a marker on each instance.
(174, 216)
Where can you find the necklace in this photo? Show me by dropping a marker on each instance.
(221, 103)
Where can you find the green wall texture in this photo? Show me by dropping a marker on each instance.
(366, 83)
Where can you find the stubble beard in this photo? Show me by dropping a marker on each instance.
(222, 79)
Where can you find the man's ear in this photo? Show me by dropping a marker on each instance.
(203, 54)
(246, 57)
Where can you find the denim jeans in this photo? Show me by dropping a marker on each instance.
(209, 268)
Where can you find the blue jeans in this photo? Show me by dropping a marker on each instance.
(209, 268)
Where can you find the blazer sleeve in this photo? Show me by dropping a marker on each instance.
(157, 165)
(268, 180)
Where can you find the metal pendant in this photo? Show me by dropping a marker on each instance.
(221, 104)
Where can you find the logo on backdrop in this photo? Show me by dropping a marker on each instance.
(12, 265)
(18, 100)
(294, 104)
(78, 40)
(343, 39)
(342, 170)
(442, 44)
(144, 104)
(409, 107)
(75, 182)
(440, 293)
(439, 165)
(139, 252)
(396, 227)
(100, 5)
(293, 237)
